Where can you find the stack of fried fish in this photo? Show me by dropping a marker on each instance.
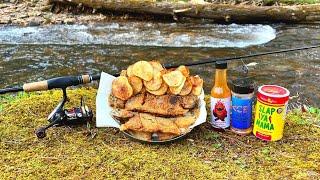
(153, 102)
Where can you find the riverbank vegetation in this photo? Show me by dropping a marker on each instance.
(91, 153)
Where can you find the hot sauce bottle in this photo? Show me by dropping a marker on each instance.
(220, 98)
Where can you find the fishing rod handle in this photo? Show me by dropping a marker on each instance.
(60, 82)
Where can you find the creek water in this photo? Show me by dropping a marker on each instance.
(37, 53)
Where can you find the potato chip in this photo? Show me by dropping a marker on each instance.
(197, 83)
(123, 73)
(155, 82)
(163, 89)
(156, 65)
(187, 88)
(129, 71)
(196, 80)
(177, 90)
(136, 84)
(121, 88)
(173, 78)
(185, 71)
(143, 70)
(197, 90)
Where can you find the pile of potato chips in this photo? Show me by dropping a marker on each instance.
(152, 77)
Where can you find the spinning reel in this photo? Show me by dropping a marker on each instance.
(82, 114)
(66, 117)
(60, 116)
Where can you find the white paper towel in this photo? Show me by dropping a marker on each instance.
(104, 118)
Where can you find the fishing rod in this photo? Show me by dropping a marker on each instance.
(82, 114)
(64, 82)
(210, 60)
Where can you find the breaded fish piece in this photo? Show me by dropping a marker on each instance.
(144, 122)
(146, 136)
(116, 102)
(165, 105)
(167, 125)
(187, 120)
(134, 123)
(149, 123)
(189, 102)
(135, 102)
(122, 115)
(165, 136)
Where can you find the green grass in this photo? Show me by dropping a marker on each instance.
(80, 152)
(290, 2)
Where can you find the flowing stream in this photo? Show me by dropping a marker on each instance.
(37, 53)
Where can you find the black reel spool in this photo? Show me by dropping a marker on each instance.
(66, 117)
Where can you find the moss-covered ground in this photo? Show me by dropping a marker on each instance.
(91, 153)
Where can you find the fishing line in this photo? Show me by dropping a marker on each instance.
(76, 80)
(211, 60)
(244, 67)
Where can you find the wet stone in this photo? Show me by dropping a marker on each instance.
(3, 6)
(22, 16)
(34, 22)
(5, 20)
(69, 21)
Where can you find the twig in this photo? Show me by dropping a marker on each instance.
(316, 125)
(49, 158)
(235, 139)
(181, 10)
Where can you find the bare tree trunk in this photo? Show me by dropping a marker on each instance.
(216, 12)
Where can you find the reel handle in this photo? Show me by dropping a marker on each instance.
(60, 82)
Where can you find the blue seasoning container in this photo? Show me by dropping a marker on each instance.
(242, 91)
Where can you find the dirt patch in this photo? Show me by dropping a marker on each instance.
(33, 13)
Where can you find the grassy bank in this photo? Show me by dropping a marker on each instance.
(101, 153)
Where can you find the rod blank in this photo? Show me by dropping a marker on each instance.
(64, 82)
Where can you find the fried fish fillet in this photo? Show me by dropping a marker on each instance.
(165, 105)
(116, 102)
(122, 115)
(141, 135)
(144, 122)
(135, 102)
(187, 120)
(167, 125)
(149, 123)
(165, 136)
(134, 124)
(189, 102)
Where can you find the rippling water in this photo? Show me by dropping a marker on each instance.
(36, 53)
(141, 34)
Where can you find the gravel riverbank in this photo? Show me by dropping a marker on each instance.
(33, 13)
(42, 12)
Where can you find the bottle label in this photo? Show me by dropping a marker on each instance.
(241, 113)
(220, 112)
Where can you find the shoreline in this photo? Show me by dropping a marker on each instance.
(46, 12)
